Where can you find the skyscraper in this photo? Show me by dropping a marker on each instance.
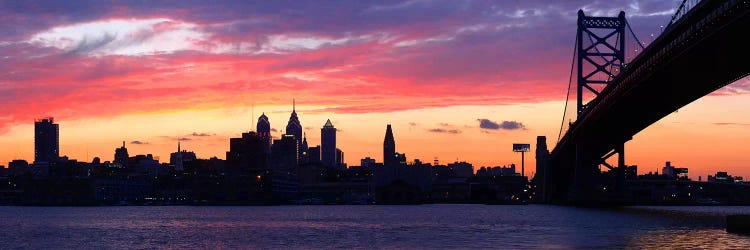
(389, 148)
(328, 144)
(540, 177)
(46, 140)
(264, 131)
(304, 154)
(121, 155)
(285, 154)
(247, 154)
(294, 127)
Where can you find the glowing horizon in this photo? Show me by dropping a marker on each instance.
(149, 75)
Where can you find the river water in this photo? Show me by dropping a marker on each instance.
(420, 226)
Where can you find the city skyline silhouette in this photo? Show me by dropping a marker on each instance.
(204, 88)
(395, 124)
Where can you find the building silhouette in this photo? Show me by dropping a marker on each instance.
(121, 155)
(263, 129)
(313, 154)
(328, 144)
(46, 140)
(247, 154)
(294, 127)
(303, 156)
(179, 158)
(340, 159)
(389, 148)
(285, 154)
(541, 176)
(367, 162)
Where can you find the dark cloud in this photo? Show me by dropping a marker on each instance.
(512, 125)
(445, 124)
(184, 139)
(506, 125)
(138, 142)
(413, 124)
(201, 134)
(731, 124)
(442, 130)
(487, 124)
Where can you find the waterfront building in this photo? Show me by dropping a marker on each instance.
(247, 152)
(285, 154)
(389, 148)
(328, 150)
(121, 155)
(178, 159)
(367, 162)
(294, 127)
(46, 140)
(313, 154)
(263, 130)
(340, 159)
(303, 148)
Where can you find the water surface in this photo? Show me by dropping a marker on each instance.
(421, 226)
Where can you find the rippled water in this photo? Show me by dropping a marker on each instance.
(423, 226)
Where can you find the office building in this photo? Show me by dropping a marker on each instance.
(389, 148)
(46, 140)
(263, 129)
(328, 144)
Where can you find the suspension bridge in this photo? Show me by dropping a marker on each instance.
(623, 86)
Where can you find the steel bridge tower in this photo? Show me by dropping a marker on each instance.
(600, 46)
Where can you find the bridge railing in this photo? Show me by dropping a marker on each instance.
(683, 9)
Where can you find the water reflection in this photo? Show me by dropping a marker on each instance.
(425, 226)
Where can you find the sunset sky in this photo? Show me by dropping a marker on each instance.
(458, 80)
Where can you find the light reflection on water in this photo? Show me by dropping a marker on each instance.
(424, 226)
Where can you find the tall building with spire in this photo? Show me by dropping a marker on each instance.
(294, 127)
(121, 155)
(328, 144)
(46, 140)
(304, 154)
(264, 131)
(178, 158)
(389, 148)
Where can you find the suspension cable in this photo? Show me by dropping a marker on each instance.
(633, 33)
(570, 82)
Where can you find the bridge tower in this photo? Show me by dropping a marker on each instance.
(600, 46)
(601, 60)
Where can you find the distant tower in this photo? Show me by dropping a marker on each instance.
(178, 165)
(294, 127)
(389, 148)
(328, 144)
(46, 140)
(264, 131)
(540, 177)
(121, 155)
(304, 154)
